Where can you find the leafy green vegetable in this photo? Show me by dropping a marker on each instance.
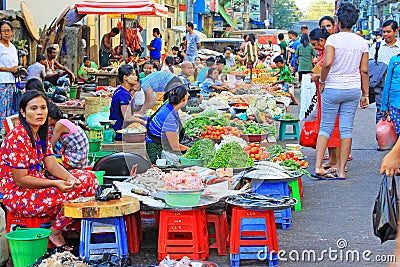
(196, 126)
(274, 151)
(231, 155)
(289, 118)
(202, 149)
(293, 166)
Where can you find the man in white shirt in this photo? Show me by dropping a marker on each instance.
(389, 47)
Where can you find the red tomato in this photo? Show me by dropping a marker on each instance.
(254, 150)
(257, 156)
(257, 145)
(251, 155)
(247, 148)
(295, 158)
(290, 154)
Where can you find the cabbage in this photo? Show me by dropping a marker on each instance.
(261, 105)
(277, 111)
(252, 111)
(271, 103)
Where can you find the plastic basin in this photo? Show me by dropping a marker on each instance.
(134, 137)
(191, 162)
(180, 198)
(27, 245)
(254, 137)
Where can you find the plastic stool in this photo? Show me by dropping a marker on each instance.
(251, 231)
(134, 232)
(282, 130)
(15, 220)
(118, 245)
(253, 253)
(221, 235)
(294, 188)
(183, 233)
(276, 190)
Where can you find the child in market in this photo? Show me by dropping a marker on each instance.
(212, 83)
(147, 68)
(285, 78)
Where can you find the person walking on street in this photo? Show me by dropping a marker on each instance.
(8, 67)
(106, 48)
(344, 83)
(386, 48)
(192, 42)
(305, 54)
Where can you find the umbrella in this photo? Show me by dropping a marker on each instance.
(137, 7)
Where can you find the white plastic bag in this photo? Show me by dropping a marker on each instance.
(307, 91)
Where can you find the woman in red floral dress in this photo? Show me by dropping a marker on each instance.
(24, 155)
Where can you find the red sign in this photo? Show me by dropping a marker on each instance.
(266, 39)
(182, 7)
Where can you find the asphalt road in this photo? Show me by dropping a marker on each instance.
(336, 220)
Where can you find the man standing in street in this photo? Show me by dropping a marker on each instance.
(385, 49)
(106, 48)
(192, 42)
(291, 57)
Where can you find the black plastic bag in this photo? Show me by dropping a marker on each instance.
(384, 216)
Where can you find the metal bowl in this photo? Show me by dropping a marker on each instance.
(108, 122)
(196, 263)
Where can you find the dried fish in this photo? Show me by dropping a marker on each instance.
(63, 259)
(151, 180)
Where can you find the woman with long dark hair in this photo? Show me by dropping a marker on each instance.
(344, 84)
(305, 54)
(26, 154)
(164, 128)
(155, 46)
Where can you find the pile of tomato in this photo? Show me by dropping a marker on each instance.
(290, 155)
(217, 132)
(256, 152)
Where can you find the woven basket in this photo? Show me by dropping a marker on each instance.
(96, 104)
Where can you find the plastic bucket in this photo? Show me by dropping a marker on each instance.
(94, 145)
(100, 176)
(72, 92)
(27, 245)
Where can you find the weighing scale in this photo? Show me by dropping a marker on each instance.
(108, 131)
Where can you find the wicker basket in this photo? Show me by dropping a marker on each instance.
(96, 104)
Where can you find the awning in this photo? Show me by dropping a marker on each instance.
(136, 7)
(226, 17)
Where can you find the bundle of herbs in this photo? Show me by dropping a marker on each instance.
(203, 149)
(231, 155)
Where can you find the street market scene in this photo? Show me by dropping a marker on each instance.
(140, 133)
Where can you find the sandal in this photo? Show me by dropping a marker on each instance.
(326, 157)
(350, 158)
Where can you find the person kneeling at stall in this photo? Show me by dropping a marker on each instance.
(164, 128)
(26, 154)
(74, 142)
(212, 83)
(285, 78)
(123, 101)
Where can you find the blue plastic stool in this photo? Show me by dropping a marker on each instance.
(282, 130)
(275, 190)
(89, 246)
(254, 253)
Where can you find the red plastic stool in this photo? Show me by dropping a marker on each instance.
(221, 235)
(134, 232)
(14, 220)
(250, 228)
(183, 233)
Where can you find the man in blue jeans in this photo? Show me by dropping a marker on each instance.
(295, 41)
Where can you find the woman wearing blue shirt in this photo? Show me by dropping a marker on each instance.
(155, 45)
(164, 128)
(391, 93)
(212, 83)
(121, 108)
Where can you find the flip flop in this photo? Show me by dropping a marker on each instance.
(332, 169)
(325, 176)
(350, 158)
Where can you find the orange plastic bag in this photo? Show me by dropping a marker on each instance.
(385, 133)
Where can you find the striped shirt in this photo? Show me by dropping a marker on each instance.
(166, 120)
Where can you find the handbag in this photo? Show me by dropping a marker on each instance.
(309, 134)
(385, 133)
(384, 215)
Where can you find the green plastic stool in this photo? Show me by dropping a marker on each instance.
(282, 130)
(295, 193)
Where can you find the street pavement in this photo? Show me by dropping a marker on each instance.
(336, 215)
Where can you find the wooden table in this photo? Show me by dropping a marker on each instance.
(102, 209)
(105, 78)
(72, 109)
